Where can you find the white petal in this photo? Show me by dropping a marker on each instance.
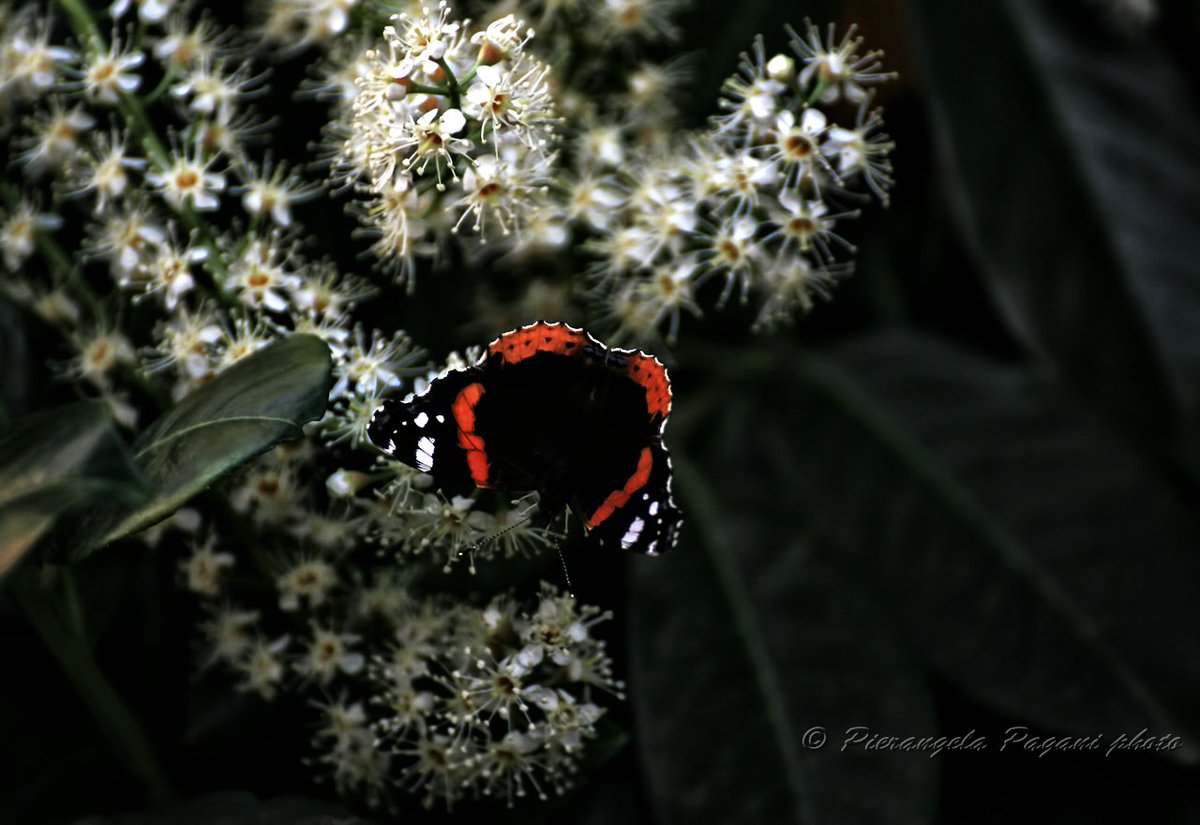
(252, 202)
(352, 662)
(282, 214)
(813, 122)
(452, 121)
(274, 301)
(205, 201)
(761, 106)
(491, 75)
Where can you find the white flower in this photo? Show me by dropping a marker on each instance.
(259, 277)
(262, 669)
(18, 234)
(601, 145)
(806, 225)
(202, 570)
(188, 182)
(271, 193)
(741, 177)
(306, 584)
(56, 140)
(127, 239)
(790, 284)
(108, 75)
(212, 92)
(751, 97)
(171, 273)
(149, 11)
(247, 338)
(595, 200)
(34, 62)
(329, 654)
(227, 633)
(503, 186)
(345, 483)
(106, 171)
(732, 249)
(863, 150)
(425, 37)
(431, 137)
(186, 42)
(371, 366)
(797, 144)
(833, 65)
(186, 341)
(515, 99)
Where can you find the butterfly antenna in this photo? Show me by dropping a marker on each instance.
(490, 539)
(562, 560)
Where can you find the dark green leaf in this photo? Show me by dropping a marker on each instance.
(239, 808)
(1034, 558)
(18, 365)
(259, 402)
(742, 643)
(53, 463)
(1074, 161)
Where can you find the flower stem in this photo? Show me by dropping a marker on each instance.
(451, 83)
(817, 91)
(422, 89)
(161, 89)
(81, 20)
(111, 714)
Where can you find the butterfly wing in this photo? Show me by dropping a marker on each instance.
(639, 513)
(422, 431)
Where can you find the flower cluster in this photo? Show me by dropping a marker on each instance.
(433, 696)
(448, 129)
(146, 221)
(755, 202)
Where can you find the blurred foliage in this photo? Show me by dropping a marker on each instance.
(961, 497)
(259, 402)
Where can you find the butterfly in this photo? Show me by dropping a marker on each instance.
(548, 408)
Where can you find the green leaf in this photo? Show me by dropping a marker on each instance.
(52, 464)
(17, 360)
(1034, 558)
(1074, 161)
(238, 808)
(257, 403)
(741, 643)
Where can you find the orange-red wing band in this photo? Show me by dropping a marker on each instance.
(619, 498)
(464, 415)
(652, 375)
(521, 343)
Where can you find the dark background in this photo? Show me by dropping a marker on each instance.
(960, 497)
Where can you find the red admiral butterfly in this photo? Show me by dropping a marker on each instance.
(549, 408)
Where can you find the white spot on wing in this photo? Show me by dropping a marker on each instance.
(631, 535)
(425, 454)
(422, 419)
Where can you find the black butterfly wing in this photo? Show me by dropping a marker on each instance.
(422, 431)
(638, 512)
